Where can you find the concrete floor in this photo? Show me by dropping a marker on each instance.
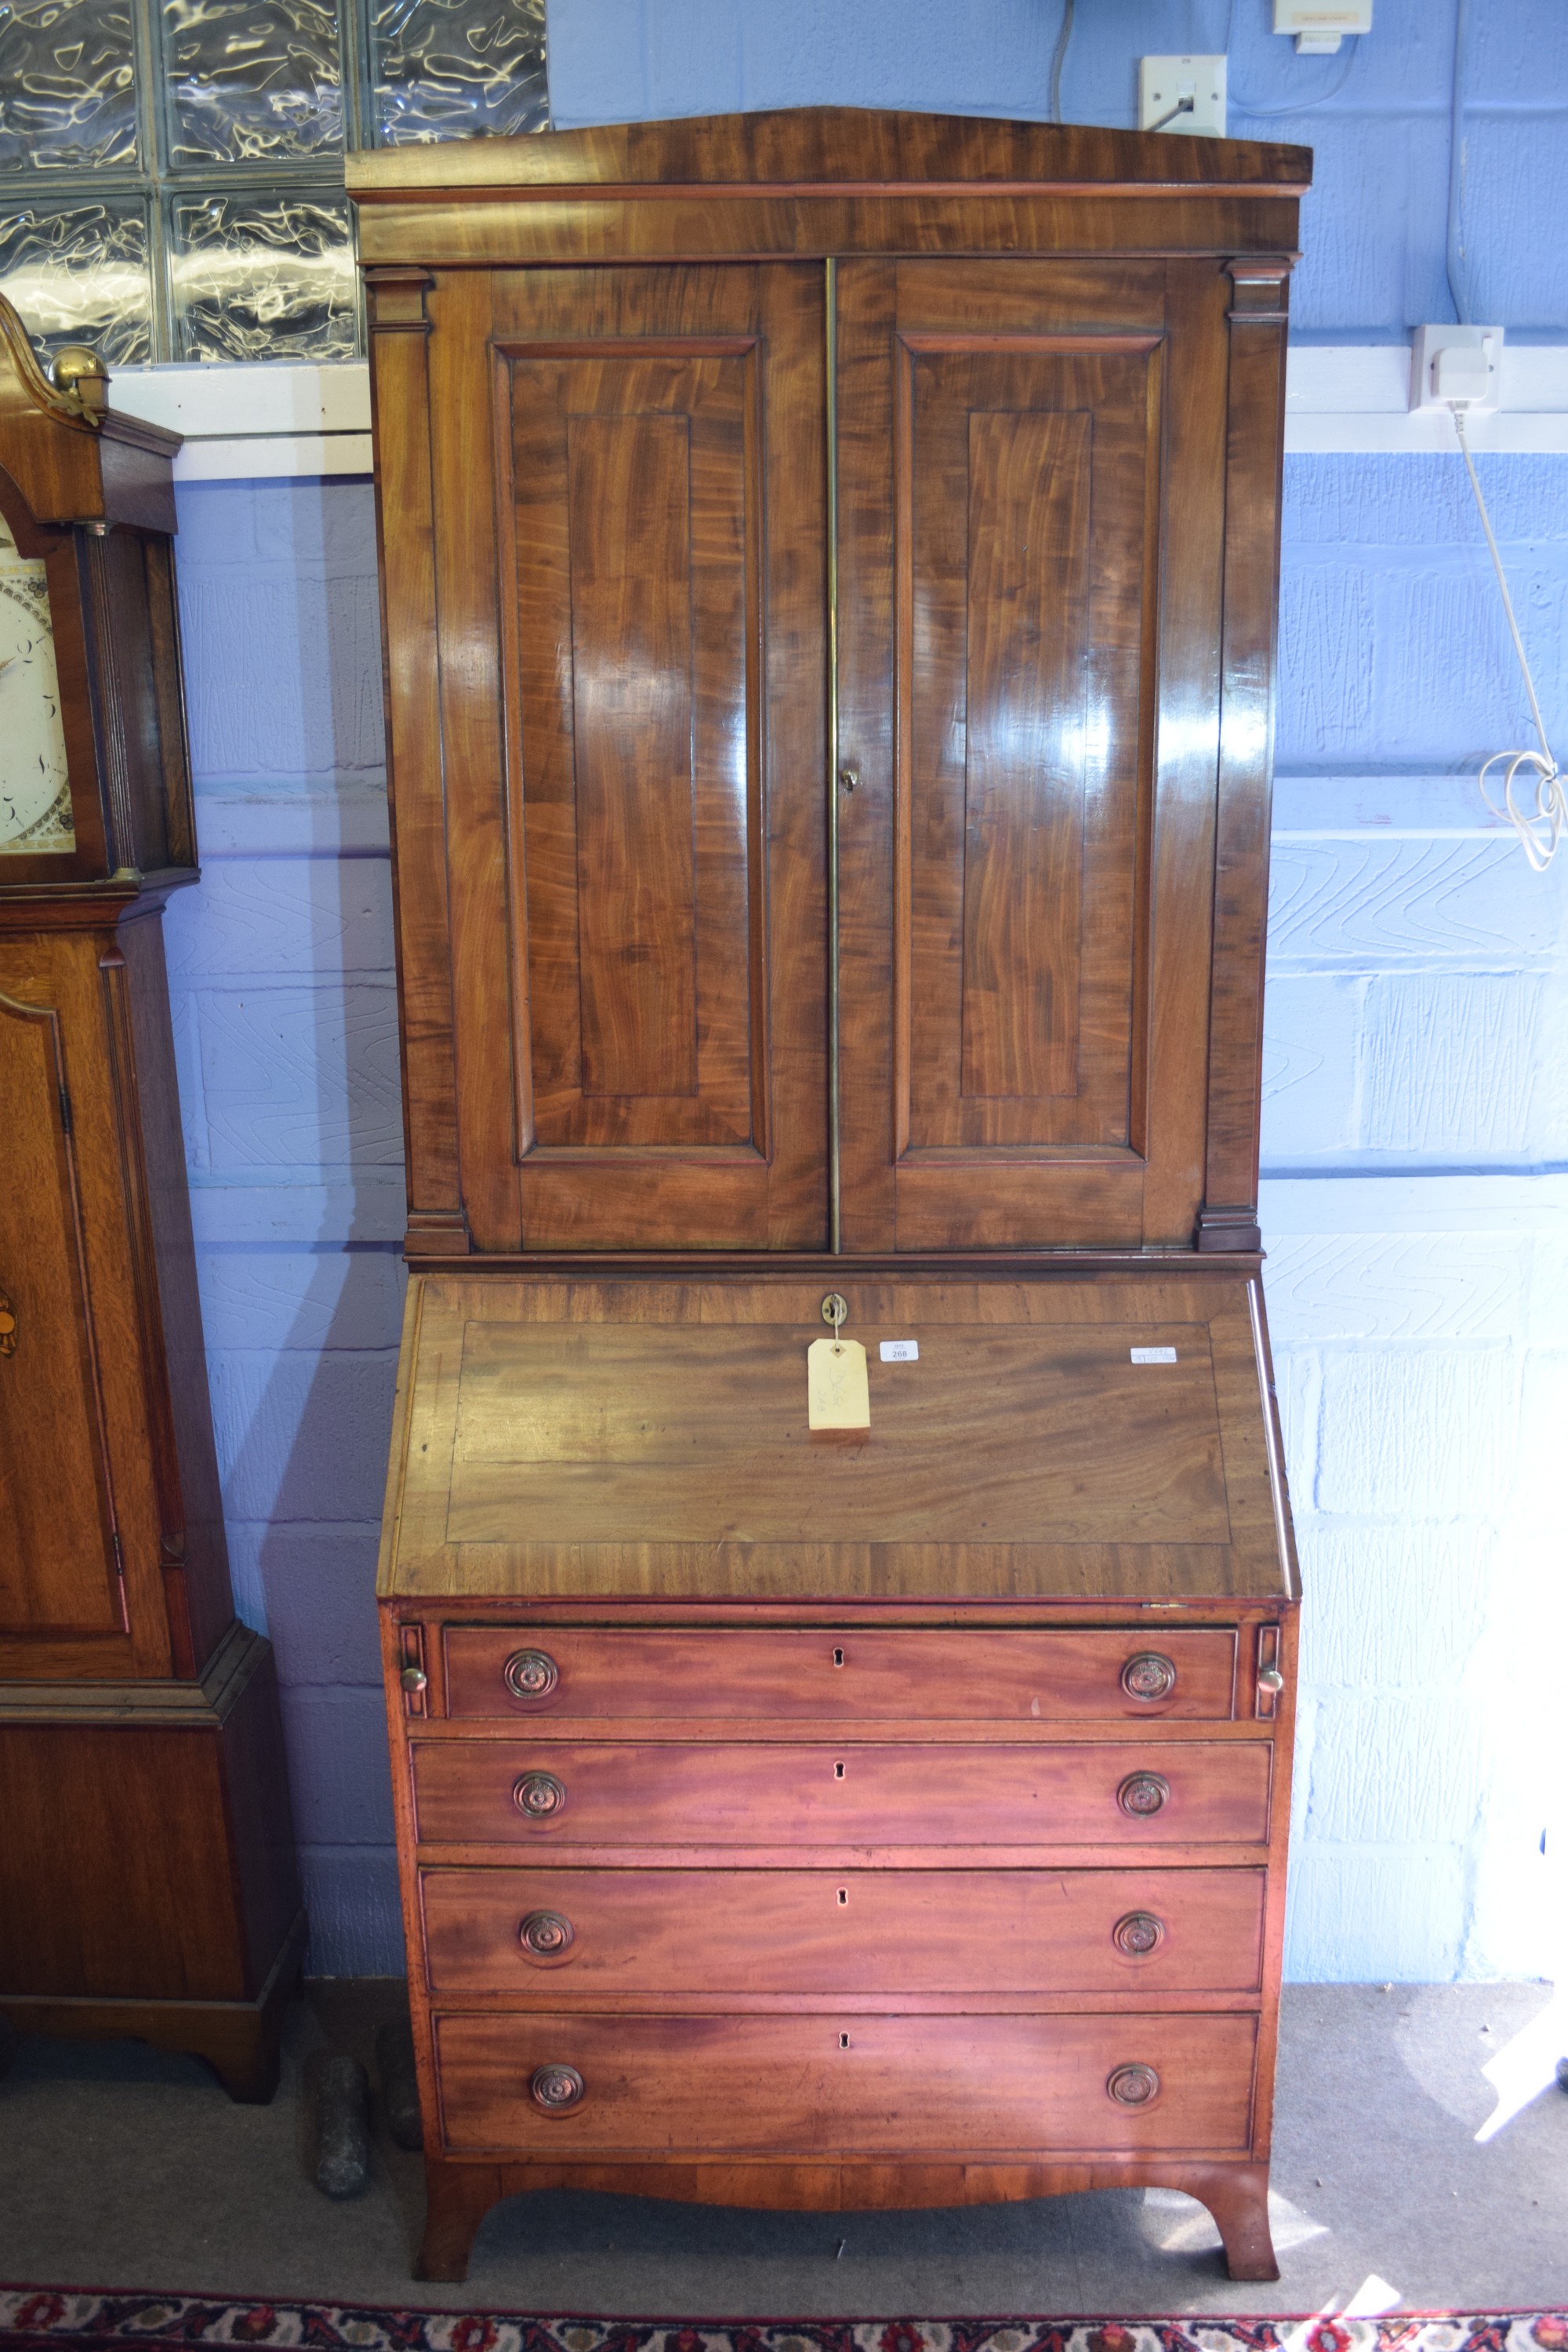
(121, 2168)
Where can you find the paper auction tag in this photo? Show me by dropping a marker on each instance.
(836, 1393)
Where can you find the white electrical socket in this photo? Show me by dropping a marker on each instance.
(1319, 26)
(1185, 94)
(1457, 367)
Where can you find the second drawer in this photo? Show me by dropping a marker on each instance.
(578, 1792)
(890, 1932)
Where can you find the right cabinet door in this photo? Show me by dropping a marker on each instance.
(1031, 486)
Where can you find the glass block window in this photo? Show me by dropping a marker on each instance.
(171, 171)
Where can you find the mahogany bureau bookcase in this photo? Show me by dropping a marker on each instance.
(829, 567)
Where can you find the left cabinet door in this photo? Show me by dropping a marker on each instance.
(81, 1581)
(627, 552)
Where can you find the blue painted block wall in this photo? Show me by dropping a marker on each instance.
(1416, 1125)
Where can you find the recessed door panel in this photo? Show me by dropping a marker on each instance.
(1022, 528)
(635, 499)
(57, 1563)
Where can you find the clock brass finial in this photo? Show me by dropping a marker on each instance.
(82, 376)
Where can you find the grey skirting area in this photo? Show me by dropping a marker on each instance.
(120, 2167)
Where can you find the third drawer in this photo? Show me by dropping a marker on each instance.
(890, 1932)
(578, 1792)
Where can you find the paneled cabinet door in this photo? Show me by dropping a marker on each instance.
(81, 1586)
(629, 556)
(1032, 474)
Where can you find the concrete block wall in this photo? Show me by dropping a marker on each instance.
(1416, 1205)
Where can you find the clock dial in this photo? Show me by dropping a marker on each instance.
(35, 794)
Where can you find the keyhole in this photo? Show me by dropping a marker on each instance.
(844, 2041)
(838, 1657)
(838, 1771)
(843, 1894)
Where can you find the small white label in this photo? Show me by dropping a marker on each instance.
(1153, 1355)
(900, 1351)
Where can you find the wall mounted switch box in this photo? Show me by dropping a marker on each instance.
(1457, 367)
(1185, 94)
(1319, 26)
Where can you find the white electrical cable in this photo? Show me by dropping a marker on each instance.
(1538, 829)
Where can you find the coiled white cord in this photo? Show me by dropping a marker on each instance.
(1538, 829)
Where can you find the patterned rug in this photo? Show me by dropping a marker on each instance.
(59, 2319)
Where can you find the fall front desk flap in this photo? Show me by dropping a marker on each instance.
(1077, 1438)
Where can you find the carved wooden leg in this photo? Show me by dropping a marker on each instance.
(459, 2196)
(1238, 2197)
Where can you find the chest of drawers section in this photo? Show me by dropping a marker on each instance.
(775, 1903)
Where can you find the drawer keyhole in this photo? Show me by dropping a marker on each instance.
(838, 1657)
(844, 2041)
(843, 1894)
(838, 1771)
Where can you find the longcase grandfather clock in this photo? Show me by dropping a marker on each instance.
(148, 1884)
(838, 1589)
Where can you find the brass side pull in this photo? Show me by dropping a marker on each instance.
(538, 1795)
(530, 1674)
(546, 1935)
(1149, 1677)
(1142, 1793)
(557, 2088)
(8, 1326)
(1270, 1679)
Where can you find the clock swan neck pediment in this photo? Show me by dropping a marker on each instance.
(70, 457)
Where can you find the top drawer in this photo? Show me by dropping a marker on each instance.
(828, 1674)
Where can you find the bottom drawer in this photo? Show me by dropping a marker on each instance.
(556, 2085)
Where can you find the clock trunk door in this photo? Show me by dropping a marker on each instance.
(1031, 459)
(630, 557)
(81, 1588)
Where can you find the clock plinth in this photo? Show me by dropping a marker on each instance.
(148, 1884)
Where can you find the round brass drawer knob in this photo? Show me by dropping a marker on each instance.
(414, 1679)
(1149, 1676)
(545, 1934)
(1142, 1793)
(538, 1795)
(557, 2088)
(1137, 1933)
(1133, 2087)
(1270, 1679)
(530, 1674)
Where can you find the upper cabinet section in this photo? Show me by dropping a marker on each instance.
(830, 617)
